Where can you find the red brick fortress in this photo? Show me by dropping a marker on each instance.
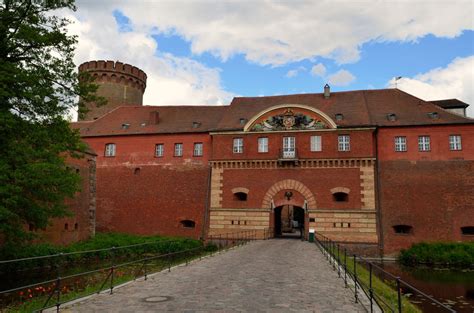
(371, 167)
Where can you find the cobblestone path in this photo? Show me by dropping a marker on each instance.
(264, 276)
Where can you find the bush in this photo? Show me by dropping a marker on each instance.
(439, 254)
(125, 246)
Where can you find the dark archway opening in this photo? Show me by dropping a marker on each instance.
(289, 221)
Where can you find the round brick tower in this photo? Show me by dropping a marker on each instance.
(121, 84)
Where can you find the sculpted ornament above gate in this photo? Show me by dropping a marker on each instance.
(288, 120)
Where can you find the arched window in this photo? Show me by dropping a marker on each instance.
(136, 171)
(66, 226)
(188, 223)
(467, 230)
(340, 197)
(240, 196)
(340, 194)
(403, 229)
(240, 193)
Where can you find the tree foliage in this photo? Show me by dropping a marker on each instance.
(38, 88)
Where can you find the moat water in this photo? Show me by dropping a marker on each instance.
(452, 287)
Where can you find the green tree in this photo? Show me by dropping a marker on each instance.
(38, 88)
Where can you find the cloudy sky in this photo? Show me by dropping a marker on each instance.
(206, 52)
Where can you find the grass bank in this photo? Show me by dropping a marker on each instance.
(439, 254)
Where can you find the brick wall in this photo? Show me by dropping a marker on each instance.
(81, 225)
(153, 201)
(434, 197)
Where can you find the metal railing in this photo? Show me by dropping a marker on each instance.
(64, 287)
(380, 290)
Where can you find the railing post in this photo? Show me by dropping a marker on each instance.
(345, 267)
(333, 248)
(399, 295)
(355, 279)
(371, 292)
(144, 268)
(58, 282)
(112, 269)
(338, 262)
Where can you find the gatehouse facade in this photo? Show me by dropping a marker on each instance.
(379, 169)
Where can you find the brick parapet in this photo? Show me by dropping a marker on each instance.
(110, 70)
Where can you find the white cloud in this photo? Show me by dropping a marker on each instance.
(171, 80)
(456, 80)
(318, 70)
(292, 73)
(279, 32)
(341, 78)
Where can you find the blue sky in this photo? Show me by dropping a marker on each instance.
(205, 52)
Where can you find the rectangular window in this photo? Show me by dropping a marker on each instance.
(198, 149)
(455, 142)
(344, 143)
(400, 143)
(238, 145)
(316, 143)
(263, 144)
(159, 150)
(110, 150)
(424, 143)
(178, 149)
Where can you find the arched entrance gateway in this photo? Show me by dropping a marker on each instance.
(289, 201)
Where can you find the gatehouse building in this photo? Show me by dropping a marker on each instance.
(376, 169)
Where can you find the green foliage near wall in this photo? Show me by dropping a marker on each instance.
(135, 246)
(38, 89)
(459, 255)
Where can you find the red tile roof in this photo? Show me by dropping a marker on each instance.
(360, 108)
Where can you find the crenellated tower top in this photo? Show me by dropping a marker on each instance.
(120, 83)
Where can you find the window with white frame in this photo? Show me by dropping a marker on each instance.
(197, 149)
(424, 143)
(344, 143)
(159, 150)
(455, 142)
(316, 143)
(178, 149)
(400, 143)
(238, 145)
(263, 144)
(110, 150)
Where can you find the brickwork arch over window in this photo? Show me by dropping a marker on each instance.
(340, 189)
(188, 223)
(240, 193)
(289, 184)
(403, 229)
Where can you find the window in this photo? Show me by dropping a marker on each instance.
(424, 143)
(159, 150)
(400, 143)
(66, 226)
(240, 196)
(76, 226)
(136, 171)
(467, 230)
(340, 197)
(455, 142)
(344, 143)
(315, 143)
(188, 224)
(178, 149)
(263, 144)
(403, 229)
(197, 149)
(238, 145)
(110, 150)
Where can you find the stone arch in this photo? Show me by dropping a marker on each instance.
(240, 189)
(329, 121)
(288, 184)
(340, 189)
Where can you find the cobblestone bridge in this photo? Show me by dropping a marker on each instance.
(282, 275)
